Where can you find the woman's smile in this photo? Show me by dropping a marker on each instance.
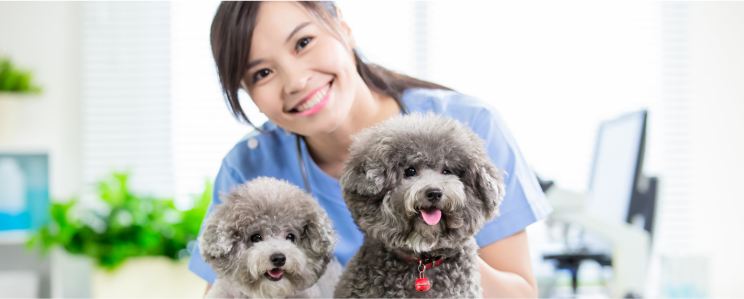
(314, 102)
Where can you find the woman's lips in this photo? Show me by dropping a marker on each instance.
(316, 102)
(309, 97)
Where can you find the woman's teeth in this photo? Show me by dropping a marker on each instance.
(315, 99)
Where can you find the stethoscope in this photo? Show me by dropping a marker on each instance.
(302, 161)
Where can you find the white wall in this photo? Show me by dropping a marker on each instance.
(717, 92)
(45, 37)
(383, 31)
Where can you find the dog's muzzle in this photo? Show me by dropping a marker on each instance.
(432, 195)
(274, 274)
(277, 260)
(432, 214)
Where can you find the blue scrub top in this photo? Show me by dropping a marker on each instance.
(274, 154)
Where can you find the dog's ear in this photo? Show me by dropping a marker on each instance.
(214, 243)
(318, 235)
(365, 178)
(489, 185)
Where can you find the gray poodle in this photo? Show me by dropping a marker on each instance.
(267, 239)
(419, 187)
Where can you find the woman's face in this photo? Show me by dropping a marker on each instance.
(300, 75)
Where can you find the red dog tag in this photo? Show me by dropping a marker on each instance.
(422, 284)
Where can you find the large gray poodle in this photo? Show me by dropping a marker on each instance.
(267, 239)
(419, 187)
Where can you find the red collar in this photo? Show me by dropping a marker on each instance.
(429, 262)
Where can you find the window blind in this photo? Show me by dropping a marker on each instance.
(126, 120)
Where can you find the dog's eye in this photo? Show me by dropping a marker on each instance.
(256, 238)
(410, 172)
(446, 171)
(291, 237)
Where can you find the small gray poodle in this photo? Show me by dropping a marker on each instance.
(268, 239)
(419, 187)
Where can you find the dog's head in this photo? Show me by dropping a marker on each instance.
(268, 237)
(420, 182)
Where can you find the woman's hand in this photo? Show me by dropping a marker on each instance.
(209, 287)
(505, 268)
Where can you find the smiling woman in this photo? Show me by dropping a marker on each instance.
(297, 62)
(313, 39)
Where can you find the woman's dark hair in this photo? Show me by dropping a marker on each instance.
(232, 31)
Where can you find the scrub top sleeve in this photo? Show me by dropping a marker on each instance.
(524, 202)
(227, 178)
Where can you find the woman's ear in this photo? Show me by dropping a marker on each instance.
(345, 29)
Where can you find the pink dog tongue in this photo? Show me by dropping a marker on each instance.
(276, 272)
(431, 217)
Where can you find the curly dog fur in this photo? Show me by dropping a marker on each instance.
(400, 176)
(267, 239)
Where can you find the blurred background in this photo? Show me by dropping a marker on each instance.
(630, 112)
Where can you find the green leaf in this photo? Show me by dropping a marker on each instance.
(15, 80)
(135, 226)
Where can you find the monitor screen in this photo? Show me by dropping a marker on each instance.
(616, 160)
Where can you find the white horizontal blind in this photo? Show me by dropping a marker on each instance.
(421, 39)
(203, 128)
(126, 107)
(676, 187)
(673, 212)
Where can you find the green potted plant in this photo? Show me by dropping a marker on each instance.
(14, 80)
(15, 84)
(128, 230)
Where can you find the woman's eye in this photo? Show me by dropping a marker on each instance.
(256, 238)
(261, 74)
(446, 171)
(291, 237)
(302, 43)
(410, 171)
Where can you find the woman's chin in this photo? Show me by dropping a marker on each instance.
(326, 128)
(328, 123)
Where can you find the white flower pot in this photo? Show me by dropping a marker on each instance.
(10, 105)
(147, 277)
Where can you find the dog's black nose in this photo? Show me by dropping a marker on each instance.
(278, 259)
(434, 194)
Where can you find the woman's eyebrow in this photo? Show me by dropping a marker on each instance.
(254, 63)
(296, 29)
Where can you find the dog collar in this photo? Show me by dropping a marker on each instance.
(426, 263)
(422, 283)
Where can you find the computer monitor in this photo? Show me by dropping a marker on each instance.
(616, 172)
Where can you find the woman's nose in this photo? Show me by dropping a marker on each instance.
(296, 81)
